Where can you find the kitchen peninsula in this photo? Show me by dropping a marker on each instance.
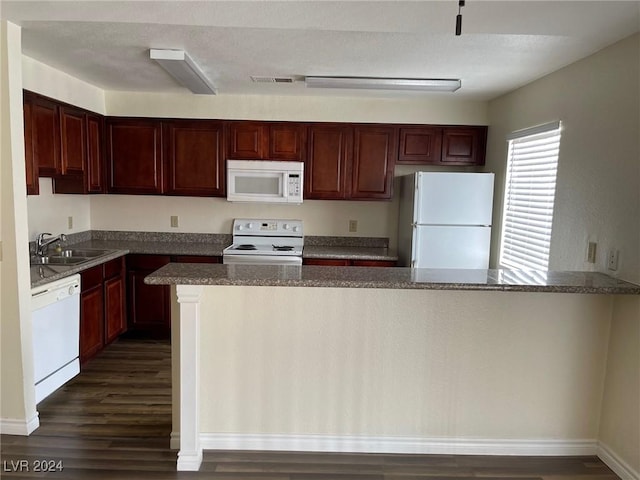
(389, 360)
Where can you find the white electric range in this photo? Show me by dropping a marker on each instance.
(267, 242)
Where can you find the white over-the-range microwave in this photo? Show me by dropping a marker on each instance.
(264, 181)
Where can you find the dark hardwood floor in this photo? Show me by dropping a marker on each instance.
(113, 422)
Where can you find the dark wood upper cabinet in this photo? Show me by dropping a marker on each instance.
(134, 156)
(95, 154)
(45, 135)
(374, 156)
(420, 145)
(73, 140)
(195, 158)
(328, 159)
(31, 168)
(265, 141)
(246, 140)
(285, 141)
(464, 145)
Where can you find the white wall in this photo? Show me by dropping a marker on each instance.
(45, 80)
(214, 215)
(17, 393)
(401, 363)
(598, 185)
(620, 418)
(50, 213)
(598, 199)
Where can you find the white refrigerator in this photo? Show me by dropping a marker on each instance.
(445, 220)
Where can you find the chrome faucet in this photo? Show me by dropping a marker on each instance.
(42, 244)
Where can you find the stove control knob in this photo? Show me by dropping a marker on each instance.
(286, 226)
(249, 226)
(239, 227)
(295, 229)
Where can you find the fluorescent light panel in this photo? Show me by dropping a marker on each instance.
(183, 69)
(379, 83)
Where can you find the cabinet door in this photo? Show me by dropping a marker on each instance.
(374, 156)
(327, 262)
(285, 142)
(91, 322)
(95, 157)
(45, 131)
(373, 263)
(420, 145)
(327, 162)
(134, 156)
(91, 312)
(247, 140)
(149, 305)
(73, 140)
(31, 168)
(195, 158)
(114, 308)
(463, 145)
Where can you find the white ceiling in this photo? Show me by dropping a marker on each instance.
(504, 45)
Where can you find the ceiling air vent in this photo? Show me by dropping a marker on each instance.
(257, 79)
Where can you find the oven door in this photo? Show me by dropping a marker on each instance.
(261, 260)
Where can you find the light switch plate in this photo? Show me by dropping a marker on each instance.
(70, 222)
(174, 221)
(353, 225)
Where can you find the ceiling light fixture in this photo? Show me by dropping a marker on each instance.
(181, 67)
(459, 18)
(379, 83)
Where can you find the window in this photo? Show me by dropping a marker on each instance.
(529, 196)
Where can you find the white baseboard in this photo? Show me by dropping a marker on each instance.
(417, 445)
(10, 426)
(615, 463)
(189, 463)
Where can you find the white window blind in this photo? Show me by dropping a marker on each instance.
(529, 197)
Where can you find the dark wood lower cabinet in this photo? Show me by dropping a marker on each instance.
(345, 262)
(115, 321)
(102, 307)
(149, 306)
(91, 321)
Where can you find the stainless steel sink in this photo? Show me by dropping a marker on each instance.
(86, 253)
(58, 260)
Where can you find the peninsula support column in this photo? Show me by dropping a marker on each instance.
(190, 454)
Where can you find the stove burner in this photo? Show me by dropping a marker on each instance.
(246, 246)
(282, 248)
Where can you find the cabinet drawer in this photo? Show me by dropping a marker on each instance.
(113, 268)
(197, 259)
(147, 262)
(91, 277)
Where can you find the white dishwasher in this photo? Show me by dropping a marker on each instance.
(55, 318)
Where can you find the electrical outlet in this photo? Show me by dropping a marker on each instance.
(70, 222)
(353, 225)
(612, 260)
(174, 221)
(591, 252)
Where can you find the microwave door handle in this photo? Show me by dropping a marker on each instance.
(285, 186)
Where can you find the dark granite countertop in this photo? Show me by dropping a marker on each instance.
(389, 278)
(198, 244)
(41, 274)
(349, 253)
